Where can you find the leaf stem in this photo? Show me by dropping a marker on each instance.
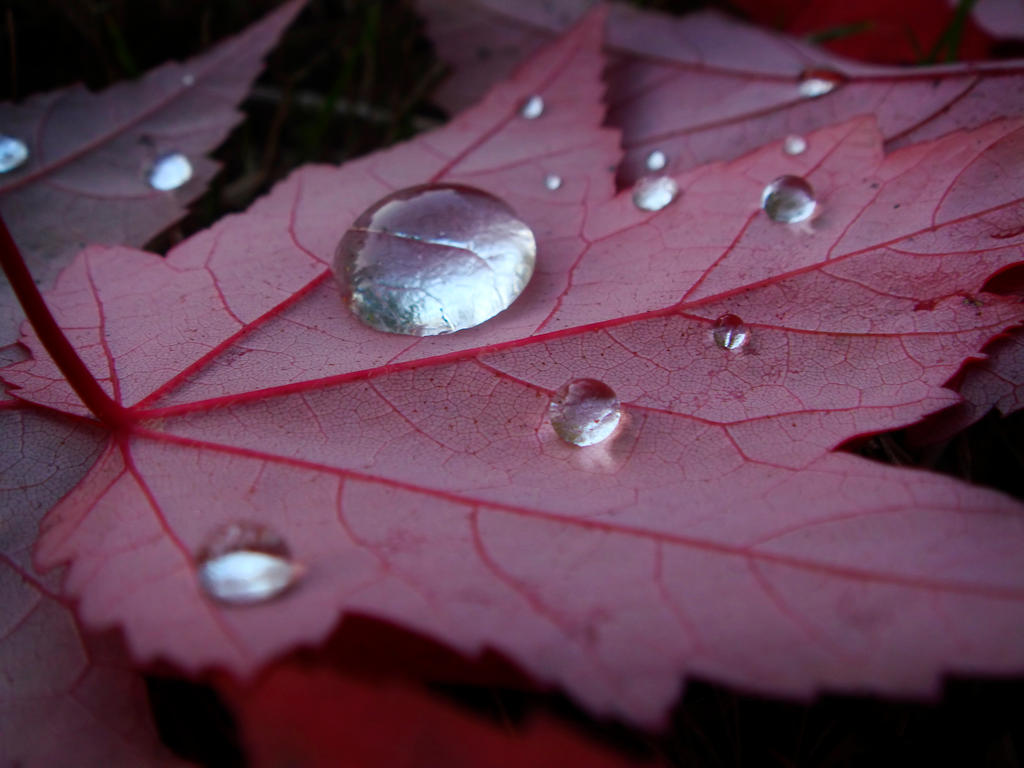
(56, 343)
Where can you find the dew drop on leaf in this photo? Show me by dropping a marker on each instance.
(653, 194)
(552, 181)
(584, 412)
(170, 171)
(789, 199)
(656, 160)
(794, 145)
(434, 259)
(818, 82)
(532, 108)
(245, 563)
(13, 152)
(729, 332)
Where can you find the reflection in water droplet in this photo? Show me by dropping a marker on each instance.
(552, 181)
(13, 152)
(434, 259)
(818, 82)
(788, 199)
(656, 160)
(170, 171)
(729, 332)
(653, 194)
(794, 145)
(245, 563)
(584, 412)
(188, 79)
(532, 108)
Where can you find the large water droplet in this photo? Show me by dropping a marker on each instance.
(656, 160)
(729, 332)
(170, 171)
(245, 563)
(794, 145)
(434, 259)
(13, 152)
(653, 194)
(818, 82)
(552, 181)
(789, 199)
(532, 108)
(585, 412)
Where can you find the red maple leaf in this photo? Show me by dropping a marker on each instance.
(703, 88)
(997, 381)
(90, 154)
(706, 87)
(66, 692)
(63, 692)
(418, 480)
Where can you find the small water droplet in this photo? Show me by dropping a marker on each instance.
(794, 145)
(245, 563)
(13, 152)
(434, 259)
(170, 171)
(532, 108)
(729, 332)
(818, 82)
(584, 412)
(188, 79)
(789, 199)
(653, 194)
(552, 181)
(656, 160)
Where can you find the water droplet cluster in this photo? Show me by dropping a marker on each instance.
(170, 171)
(245, 563)
(729, 332)
(656, 160)
(585, 412)
(819, 82)
(434, 259)
(654, 193)
(788, 199)
(13, 153)
(794, 145)
(532, 108)
(437, 259)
